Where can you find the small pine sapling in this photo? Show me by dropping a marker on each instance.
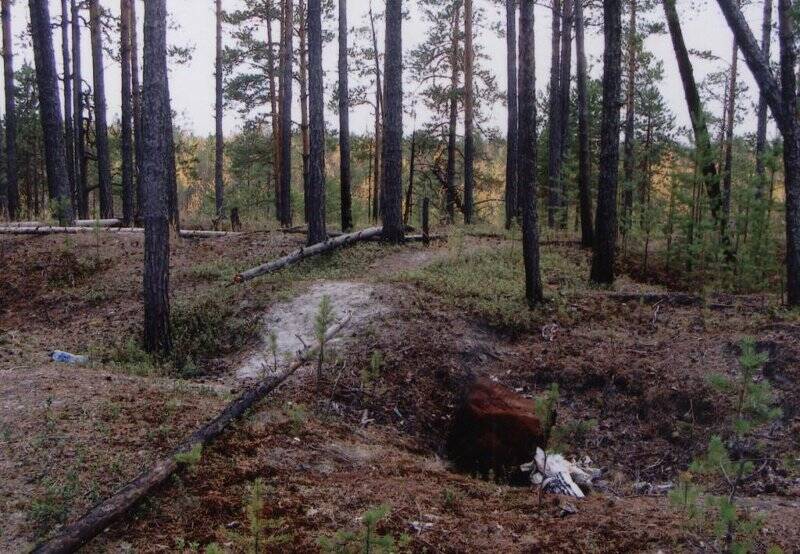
(322, 322)
(264, 534)
(753, 407)
(370, 375)
(367, 540)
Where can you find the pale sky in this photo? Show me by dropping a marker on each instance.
(192, 86)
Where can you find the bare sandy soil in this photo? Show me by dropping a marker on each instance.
(71, 435)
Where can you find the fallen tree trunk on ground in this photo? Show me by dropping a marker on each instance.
(51, 230)
(98, 222)
(74, 536)
(303, 253)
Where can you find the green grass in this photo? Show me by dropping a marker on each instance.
(490, 283)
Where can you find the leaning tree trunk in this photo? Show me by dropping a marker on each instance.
(727, 175)
(761, 127)
(11, 113)
(285, 212)
(315, 201)
(392, 190)
(127, 113)
(512, 204)
(469, 113)
(584, 154)
(69, 131)
(219, 185)
(50, 110)
(527, 154)
(155, 179)
(172, 169)
(565, 80)
(136, 91)
(606, 225)
(554, 120)
(629, 160)
(377, 166)
(702, 138)
(344, 124)
(100, 112)
(77, 98)
(452, 137)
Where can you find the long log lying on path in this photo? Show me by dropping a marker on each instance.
(74, 536)
(97, 222)
(51, 230)
(303, 253)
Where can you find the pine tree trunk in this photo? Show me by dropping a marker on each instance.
(701, 136)
(100, 112)
(469, 113)
(727, 174)
(127, 113)
(527, 154)
(409, 208)
(392, 190)
(344, 123)
(302, 35)
(219, 157)
(377, 166)
(81, 174)
(285, 215)
(315, 201)
(155, 179)
(565, 79)
(606, 222)
(172, 199)
(554, 119)
(69, 130)
(274, 117)
(136, 91)
(629, 160)
(761, 127)
(50, 110)
(453, 123)
(512, 205)
(584, 153)
(12, 187)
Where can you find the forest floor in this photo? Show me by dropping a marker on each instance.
(70, 435)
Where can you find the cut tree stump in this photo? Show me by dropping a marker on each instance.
(74, 536)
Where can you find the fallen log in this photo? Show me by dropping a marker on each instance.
(74, 536)
(98, 222)
(303, 253)
(52, 230)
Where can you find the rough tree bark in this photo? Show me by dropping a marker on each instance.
(285, 211)
(127, 113)
(69, 131)
(469, 113)
(155, 179)
(274, 117)
(761, 127)
(584, 155)
(219, 154)
(702, 138)
(12, 187)
(344, 123)
(512, 204)
(136, 91)
(78, 100)
(302, 34)
(50, 110)
(315, 201)
(392, 190)
(554, 119)
(100, 111)
(527, 154)
(629, 158)
(606, 222)
(565, 80)
(377, 165)
(452, 137)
